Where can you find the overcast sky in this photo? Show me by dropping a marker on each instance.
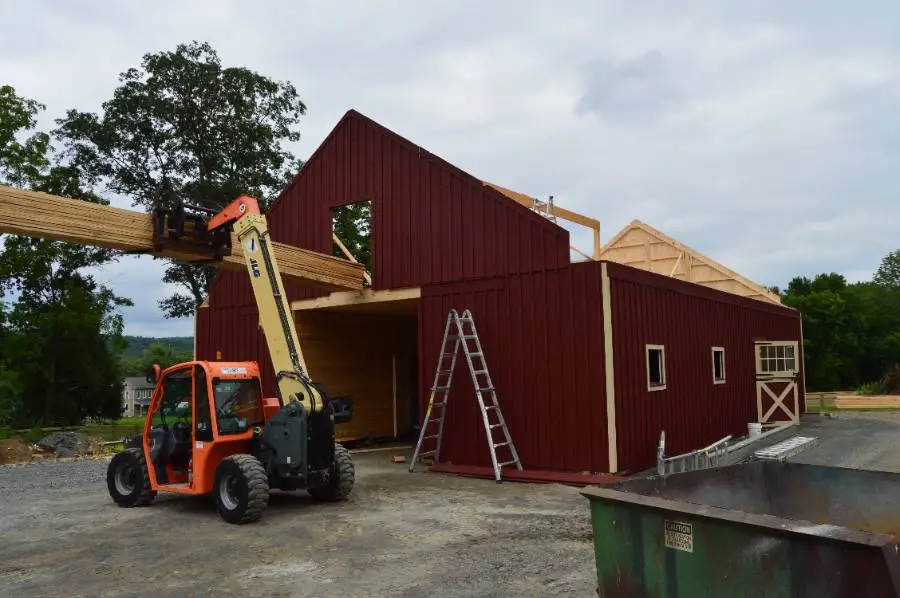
(763, 134)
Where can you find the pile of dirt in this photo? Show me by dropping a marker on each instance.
(67, 444)
(14, 451)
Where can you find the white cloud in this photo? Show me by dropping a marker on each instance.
(763, 135)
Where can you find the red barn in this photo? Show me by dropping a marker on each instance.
(592, 359)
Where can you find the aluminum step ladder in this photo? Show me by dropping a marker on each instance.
(484, 387)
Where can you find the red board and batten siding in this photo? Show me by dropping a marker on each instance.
(542, 336)
(234, 331)
(431, 221)
(688, 320)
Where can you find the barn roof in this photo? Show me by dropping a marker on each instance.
(641, 246)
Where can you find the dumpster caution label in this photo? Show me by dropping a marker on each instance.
(679, 535)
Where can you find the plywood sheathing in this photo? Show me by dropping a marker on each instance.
(370, 359)
(639, 245)
(63, 219)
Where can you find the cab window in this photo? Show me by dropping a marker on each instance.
(238, 405)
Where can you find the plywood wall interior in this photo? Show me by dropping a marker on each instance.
(356, 354)
(640, 246)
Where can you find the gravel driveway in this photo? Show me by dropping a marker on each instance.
(401, 534)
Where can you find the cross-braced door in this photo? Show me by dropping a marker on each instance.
(777, 369)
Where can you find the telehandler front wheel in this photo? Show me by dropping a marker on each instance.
(241, 489)
(341, 480)
(128, 479)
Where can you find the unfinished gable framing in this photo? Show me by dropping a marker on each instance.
(641, 246)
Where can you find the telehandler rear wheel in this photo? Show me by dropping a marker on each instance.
(241, 489)
(343, 475)
(128, 479)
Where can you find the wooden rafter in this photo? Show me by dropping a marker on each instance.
(642, 246)
(349, 255)
(542, 206)
(64, 219)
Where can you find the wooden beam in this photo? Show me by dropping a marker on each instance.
(529, 202)
(345, 298)
(349, 255)
(58, 218)
(580, 252)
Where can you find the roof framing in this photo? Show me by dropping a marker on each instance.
(553, 211)
(639, 245)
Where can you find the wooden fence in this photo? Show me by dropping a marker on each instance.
(828, 401)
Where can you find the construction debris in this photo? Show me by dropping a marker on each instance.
(67, 444)
(63, 219)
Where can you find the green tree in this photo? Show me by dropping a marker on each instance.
(159, 353)
(353, 226)
(851, 331)
(57, 332)
(888, 273)
(184, 122)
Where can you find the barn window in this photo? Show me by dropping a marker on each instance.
(776, 359)
(718, 356)
(351, 234)
(656, 367)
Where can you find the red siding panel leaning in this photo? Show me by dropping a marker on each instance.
(542, 335)
(688, 320)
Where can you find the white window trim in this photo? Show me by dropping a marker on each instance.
(724, 371)
(775, 375)
(662, 366)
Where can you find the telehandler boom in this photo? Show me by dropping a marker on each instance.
(208, 428)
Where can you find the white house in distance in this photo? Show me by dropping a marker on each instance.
(136, 396)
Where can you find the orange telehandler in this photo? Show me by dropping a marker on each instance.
(209, 430)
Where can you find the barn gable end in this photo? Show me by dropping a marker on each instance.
(431, 221)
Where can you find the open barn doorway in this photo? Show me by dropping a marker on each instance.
(365, 346)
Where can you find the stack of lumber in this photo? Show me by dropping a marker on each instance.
(867, 402)
(63, 219)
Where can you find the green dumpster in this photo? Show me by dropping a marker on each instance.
(763, 529)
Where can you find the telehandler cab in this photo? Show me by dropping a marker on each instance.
(209, 430)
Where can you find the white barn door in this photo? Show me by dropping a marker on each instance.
(777, 370)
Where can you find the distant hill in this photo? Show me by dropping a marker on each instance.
(137, 344)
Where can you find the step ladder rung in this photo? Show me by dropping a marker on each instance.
(455, 331)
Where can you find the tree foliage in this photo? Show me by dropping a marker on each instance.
(353, 226)
(185, 121)
(157, 352)
(851, 331)
(56, 333)
(888, 273)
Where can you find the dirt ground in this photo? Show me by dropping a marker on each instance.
(401, 534)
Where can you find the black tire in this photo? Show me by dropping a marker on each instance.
(128, 479)
(241, 489)
(340, 483)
